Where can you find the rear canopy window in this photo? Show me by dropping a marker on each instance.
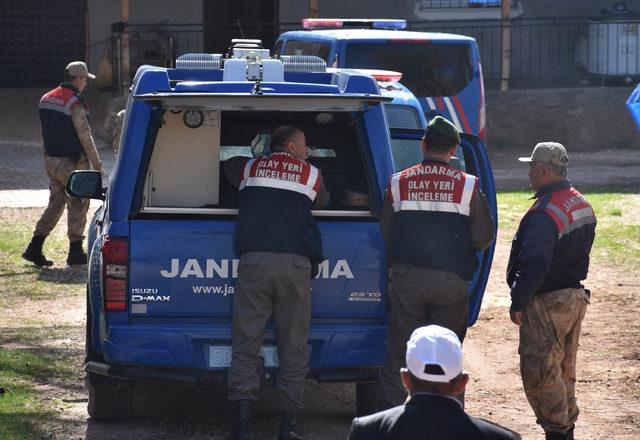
(187, 165)
(402, 116)
(408, 152)
(428, 69)
(295, 47)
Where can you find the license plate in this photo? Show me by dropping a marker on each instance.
(220, 356)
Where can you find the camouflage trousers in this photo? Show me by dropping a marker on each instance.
(59, 169)
(549, 336)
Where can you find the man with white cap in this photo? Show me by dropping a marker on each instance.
(549, 259)
(68, 146)
(433, 377)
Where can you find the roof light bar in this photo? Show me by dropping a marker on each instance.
(303, 63)
(333, 23)
(199, 61)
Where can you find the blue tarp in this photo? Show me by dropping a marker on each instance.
(633, 104)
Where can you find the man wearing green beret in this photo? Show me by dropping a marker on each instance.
(434, 220)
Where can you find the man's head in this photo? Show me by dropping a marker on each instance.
(77, 74)
(440, 139)
(547, 164)
(434, 362)
(290, 140)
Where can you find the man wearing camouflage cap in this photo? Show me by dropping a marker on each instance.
(68, 146)
(549, 259)
(434, 220)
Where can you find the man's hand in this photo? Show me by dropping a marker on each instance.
(516, 317)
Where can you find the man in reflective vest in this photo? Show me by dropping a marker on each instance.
(68, 146)
(549, 259)
(434, 220)
(280, 247)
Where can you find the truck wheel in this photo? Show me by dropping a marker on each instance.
(109, 399)
(366, 398)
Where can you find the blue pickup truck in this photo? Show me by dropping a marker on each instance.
(162, 262)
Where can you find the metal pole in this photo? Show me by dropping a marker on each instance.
(506, 45)
(125, 53)
(313, 8)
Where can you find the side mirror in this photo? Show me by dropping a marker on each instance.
(86, 184)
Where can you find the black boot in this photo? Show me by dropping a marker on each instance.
(34, 254)
(550, 435)
(570, 433)
(287, 426)
(242, 419)
(76, 254)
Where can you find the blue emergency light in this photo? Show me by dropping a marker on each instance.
(633, 104)
(333, 23)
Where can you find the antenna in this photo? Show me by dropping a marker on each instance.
(239, 27)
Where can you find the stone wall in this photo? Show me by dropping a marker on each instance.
(583, 119)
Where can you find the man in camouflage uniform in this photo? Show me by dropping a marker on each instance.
(68, 146)
(549, 258)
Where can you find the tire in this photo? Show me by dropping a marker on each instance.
(109, 399)
(366, 398)
(90, 353)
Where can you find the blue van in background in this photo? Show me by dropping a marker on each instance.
(162, 262)
(443, 70)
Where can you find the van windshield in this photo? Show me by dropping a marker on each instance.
(427, 69)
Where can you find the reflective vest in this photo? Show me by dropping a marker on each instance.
(574, 221)
(567, 208)
(275, 200)
(432, 203)
(58, 132)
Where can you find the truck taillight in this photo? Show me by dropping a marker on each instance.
(115, 263)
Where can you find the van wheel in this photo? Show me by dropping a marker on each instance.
(109, 399)
(366, 398)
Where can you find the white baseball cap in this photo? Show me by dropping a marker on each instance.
(434, 354)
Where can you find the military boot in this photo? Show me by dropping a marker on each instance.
(34, 254)
(550, 435)
(287, 426)
(76, 254)
(242, 420)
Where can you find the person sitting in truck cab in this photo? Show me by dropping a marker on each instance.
(280, 247)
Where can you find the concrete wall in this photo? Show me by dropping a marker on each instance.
(102, 13)
(583, 119)
(295, 10)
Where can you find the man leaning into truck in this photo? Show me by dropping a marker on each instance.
(434, 220)
(68, 146)
(280, 247)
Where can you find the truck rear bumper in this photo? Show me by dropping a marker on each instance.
(146, 374)
(181, 353)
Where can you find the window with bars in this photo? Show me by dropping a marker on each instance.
(446, 4)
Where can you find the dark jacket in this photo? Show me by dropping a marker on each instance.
(275, 213)
(58, 132)
(426, 417)
(437, 218)
(545, 254)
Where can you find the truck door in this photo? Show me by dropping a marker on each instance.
(471, 158)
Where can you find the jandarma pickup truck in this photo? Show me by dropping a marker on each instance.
(162, 262)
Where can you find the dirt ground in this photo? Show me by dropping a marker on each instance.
(608, 372)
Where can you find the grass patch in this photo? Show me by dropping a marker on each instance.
(618, 229)
(20, 279)
(20, 411)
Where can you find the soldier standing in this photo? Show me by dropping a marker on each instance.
(280, 247)
(434, 219)
(549, 259)
(68, 146)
